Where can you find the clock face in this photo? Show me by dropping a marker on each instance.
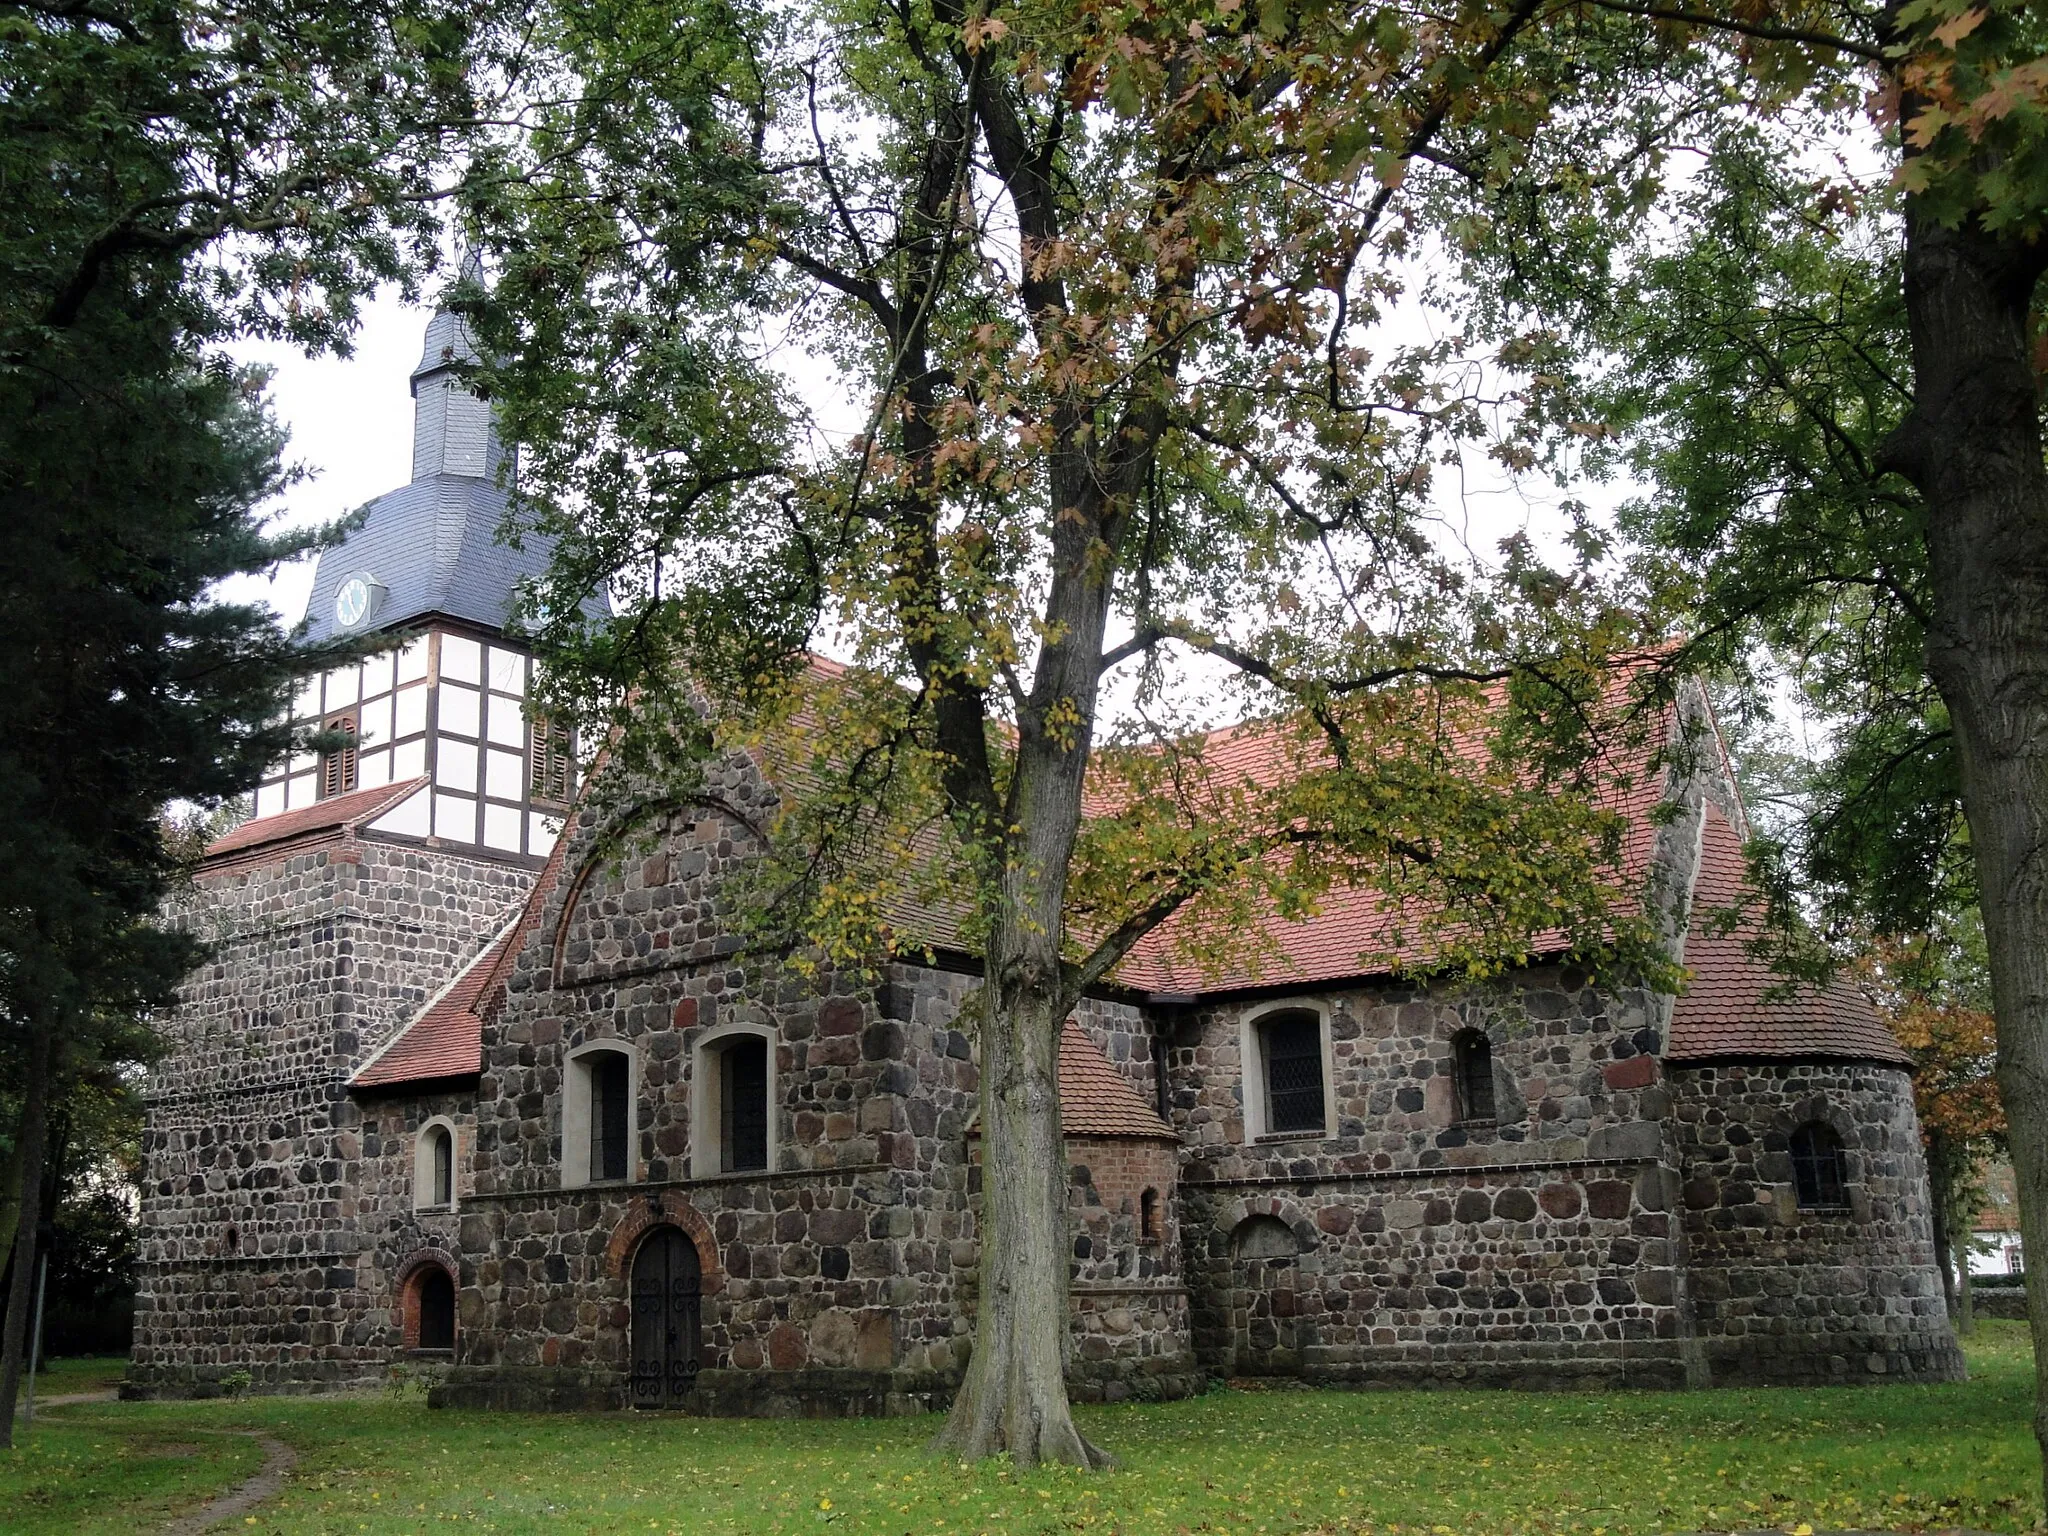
(353, 602)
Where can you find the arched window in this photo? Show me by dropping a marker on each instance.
(1291, 1048)
(433, 1167)
(444, 1168)
(733, 1113)
(1472, 1064)
(1820, 1170)
(1148, 1216)
(597, 1116)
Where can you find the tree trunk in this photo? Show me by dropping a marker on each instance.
(1014, 1396)
(1972, 444)
(34, 1127)
(1941, 1197)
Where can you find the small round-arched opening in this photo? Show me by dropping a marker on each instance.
(437, 1310)
(1472, 1073)
(433, 1167)
(429, 1308)
(1264, 1237)
(1148, 1216)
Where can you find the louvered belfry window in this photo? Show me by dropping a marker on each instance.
(1294, 1072)
(547, 761)
(338, 768)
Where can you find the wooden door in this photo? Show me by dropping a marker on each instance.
(667, 1309)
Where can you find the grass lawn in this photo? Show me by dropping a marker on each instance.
(1393, 1464)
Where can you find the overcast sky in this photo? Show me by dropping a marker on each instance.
(350, 420)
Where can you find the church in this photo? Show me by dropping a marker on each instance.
(458, 1097)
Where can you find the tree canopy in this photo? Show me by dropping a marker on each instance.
(1016, 354)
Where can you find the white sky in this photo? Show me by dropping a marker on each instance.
(350, 420)
(350, 425)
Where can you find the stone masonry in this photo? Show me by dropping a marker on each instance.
(1622, 1215)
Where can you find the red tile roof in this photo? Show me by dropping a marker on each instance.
(1360, 930)
(1098, 1100)
(1730, 1009)
(341, 813)
(445, 1038)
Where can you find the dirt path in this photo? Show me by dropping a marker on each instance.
(278, 1459)
(66, 1399)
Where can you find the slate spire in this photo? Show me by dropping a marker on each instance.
(452, 430)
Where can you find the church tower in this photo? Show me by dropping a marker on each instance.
(447, 707)
(370, 880)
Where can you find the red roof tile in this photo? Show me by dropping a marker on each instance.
(1729, 1008)
(1096, 1099)
(1359, 930)
(445, 1038)
(341, 812)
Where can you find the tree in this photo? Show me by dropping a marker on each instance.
(174, 174)
(1112, 294)
(1894, 522)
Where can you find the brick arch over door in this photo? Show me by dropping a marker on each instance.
(406, 1288)
(672, 1209)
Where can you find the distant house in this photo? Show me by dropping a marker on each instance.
(1995, 1234)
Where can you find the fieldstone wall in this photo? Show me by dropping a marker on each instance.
(1533, 1249)
(1617, 1220)
(840, 1279)
(267, 1199)
(1799, 1296)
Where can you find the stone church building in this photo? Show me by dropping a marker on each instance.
(458, 1095)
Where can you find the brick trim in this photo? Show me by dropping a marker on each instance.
(668, 1210)
(406, 1284)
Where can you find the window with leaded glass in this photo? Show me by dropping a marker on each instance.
(743, 1089)
(1292, 1045)
(1820, 1168)
(609, 1078)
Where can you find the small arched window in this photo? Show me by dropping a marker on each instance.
(444, 1168)
(433, 1168)
(1148, 1216)
(1820, 1169)
(1472, 1064)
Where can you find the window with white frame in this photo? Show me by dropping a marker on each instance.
(733, 1116)
(433, 1167)
(1287, 1073)
(598, 1115)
